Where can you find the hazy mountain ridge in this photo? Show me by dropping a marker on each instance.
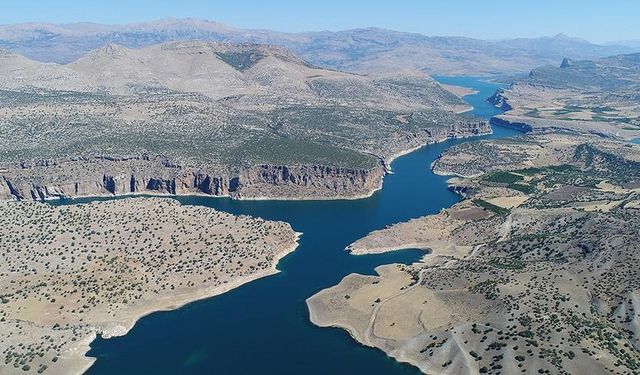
(358, 50)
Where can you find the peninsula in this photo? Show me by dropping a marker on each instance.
(535, 271)
(72, 272)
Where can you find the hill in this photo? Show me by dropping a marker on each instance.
(598, 96)
(244, 120)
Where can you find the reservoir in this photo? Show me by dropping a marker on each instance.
(263, 327)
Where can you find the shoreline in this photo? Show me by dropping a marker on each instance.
(381, 249)
(459, 91)
(119, 330)
(363, 341)
(393, 157)
(386, 165)
(430, 323)
(258, 259)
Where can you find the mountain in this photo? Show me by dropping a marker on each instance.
(252, 76)
(613, 73)
(19, 72)
(632, 43)
(358, 50)
(246, 120)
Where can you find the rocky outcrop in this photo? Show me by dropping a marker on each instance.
(468, 129)
(499, 100)
(306, 181)
(97, 176)
(523, 127)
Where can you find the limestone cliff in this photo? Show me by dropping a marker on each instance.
(145, 174)
(99, 175)
(519, 125)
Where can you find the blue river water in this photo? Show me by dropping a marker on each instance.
(263, 326)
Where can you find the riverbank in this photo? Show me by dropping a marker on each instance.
(123, 260)
(211, 334)
(459, 91)
(491, 252)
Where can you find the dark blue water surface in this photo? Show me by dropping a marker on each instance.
(263, 327)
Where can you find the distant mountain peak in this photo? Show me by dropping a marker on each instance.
(565, 63)
(365, 50)
(562, 37)
(112, 49)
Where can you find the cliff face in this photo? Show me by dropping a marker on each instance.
(523, 127)
(470, 128)
(139, 175)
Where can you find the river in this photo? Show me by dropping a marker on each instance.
(263, 326)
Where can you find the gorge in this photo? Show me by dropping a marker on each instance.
(263, 326)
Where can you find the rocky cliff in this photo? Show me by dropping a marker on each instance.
(499, 100)
(519, 125)
(99, 175)
(144, 174)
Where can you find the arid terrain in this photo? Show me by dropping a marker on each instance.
(71, 272)
(249, 121)
(534, 271)
(595, 96)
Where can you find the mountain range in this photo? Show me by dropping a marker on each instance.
(358, 50)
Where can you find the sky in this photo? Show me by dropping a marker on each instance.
(594, 20)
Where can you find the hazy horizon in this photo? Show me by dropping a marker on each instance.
(489, 20)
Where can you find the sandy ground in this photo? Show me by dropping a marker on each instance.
(458, 90)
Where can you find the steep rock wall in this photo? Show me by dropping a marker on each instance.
(138, 175)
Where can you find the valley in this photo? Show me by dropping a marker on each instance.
(184, 196)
